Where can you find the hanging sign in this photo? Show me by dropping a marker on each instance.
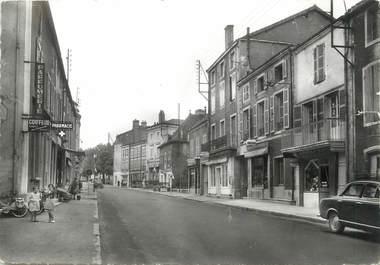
(40, 86)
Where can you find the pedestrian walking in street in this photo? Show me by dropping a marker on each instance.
(34, 203)
(49, 203)
(74, 187)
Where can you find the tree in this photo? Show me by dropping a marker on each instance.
(98, 160)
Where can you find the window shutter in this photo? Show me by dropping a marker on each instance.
(240, 113)
(315, 65)
(342, 104)
(266, 116)
(285, 69)
(297, 122)
(321, 62)
(255, 86)
(250, 132)
(315, 111)
(286, 107)
(272, 118)
(254, 121)
(269, 77)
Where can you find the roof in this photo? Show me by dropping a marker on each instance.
(254, 34)
(355, 9)
(171, 122)
(195, 126)
(133, 136)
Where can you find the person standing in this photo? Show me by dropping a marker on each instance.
(34, 203)
(49, 203)
(74, 187)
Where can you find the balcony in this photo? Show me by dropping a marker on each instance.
(325, 133)
(205, 147)
(218, 143)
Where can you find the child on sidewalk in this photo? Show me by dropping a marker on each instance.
(49, 203)
(34, 203)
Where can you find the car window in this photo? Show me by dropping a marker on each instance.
(354, 190)
(371, 191)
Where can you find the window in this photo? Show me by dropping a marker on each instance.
(278, 73)
(259, 171)
(232, 86)
(260, 118)
(224, 176)
(260, 83)
(246, 124)
(212, 177)
(354, 190)
(222, 128)
(213, 132)
(371, 93)
(233, 129)
(212, 100)
(232, 60)
(212, 77)
(319, 63)
(375, 166)
(279, 178)
(279, 111)
(371, 191)
(372, 25)
(246, 93)
(221, 69)
(204, 139)
(222, 94)
(197, 146)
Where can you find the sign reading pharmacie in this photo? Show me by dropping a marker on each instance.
(40, 86)
(46, 125)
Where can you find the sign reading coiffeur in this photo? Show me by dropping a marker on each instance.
(40, 86)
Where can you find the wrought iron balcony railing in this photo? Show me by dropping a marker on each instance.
(331, 129)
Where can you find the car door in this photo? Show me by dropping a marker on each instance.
(368, 208)
(347, 202)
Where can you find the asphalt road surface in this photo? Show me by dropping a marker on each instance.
(138, 227)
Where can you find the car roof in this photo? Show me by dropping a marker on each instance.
(366, 182)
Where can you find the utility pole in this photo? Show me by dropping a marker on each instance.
(68, 64)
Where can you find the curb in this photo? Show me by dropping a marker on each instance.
(294, 217)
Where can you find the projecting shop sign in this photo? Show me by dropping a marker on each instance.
(40, 86)
(46, 125)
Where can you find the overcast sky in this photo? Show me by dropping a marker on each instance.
(133, 58)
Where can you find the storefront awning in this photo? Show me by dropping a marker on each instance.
(257, 152)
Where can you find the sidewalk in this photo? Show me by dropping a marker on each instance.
(261, 206)
(70, 240)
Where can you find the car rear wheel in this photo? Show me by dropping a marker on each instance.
(334, 223)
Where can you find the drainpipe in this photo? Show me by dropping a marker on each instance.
(15, 105)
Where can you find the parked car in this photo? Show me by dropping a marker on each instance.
(358, 206)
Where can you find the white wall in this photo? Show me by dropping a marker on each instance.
(304, 69)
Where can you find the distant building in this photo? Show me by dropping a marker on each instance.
(198, 151)
(130, 156)
(156, 135)
(34, 157)
(175, 152)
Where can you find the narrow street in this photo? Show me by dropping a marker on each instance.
(139, 227)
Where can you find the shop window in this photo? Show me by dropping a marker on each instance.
(311, 183)
(372, 25)
(259, 171)
(371, 93)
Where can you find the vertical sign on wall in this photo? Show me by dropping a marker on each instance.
(40, 86)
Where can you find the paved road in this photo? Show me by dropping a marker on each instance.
(138, 227)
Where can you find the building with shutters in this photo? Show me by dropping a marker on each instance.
(34, 157)
(263, 100)
(129, 166)
(363, 87)
(315, 144)
(226, 166)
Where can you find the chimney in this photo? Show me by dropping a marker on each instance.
(200, 112)
(161, 116)
(229, 35)
(136, 123)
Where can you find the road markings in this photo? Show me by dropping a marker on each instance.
(97, 258)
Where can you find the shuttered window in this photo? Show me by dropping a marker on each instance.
(319, 63)
(371, 93)
(266, 116)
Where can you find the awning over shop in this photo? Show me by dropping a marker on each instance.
(257, 152)
(75, 152)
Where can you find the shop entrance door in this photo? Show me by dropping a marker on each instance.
(218, 178)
